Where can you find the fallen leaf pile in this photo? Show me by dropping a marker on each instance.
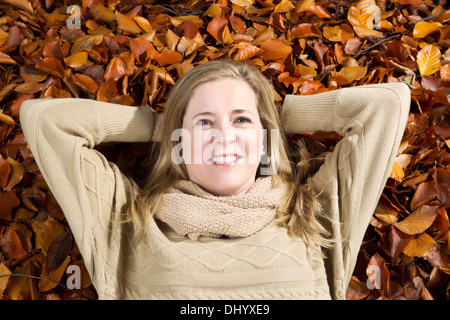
(132, 52)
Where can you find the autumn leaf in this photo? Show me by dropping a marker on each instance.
(275, 49)
(418, 221)
(133, 53)
(419, 246)
(424, 28)
(428, 60)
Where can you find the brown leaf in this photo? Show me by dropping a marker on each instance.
(58, 250)
(442, 180)
(52, 66)
(11, 245)
(425, 192)
(55, 275)
(418, 221)
(356, 290)
(378, 275)
(8, 201)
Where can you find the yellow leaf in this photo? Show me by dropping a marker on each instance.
(424, 28)
(213, 11)
(242, 3)
(364, 32)
(353, 73)
(3, 281)
(339, 33)
(126, 23)
(419, 246)
(428, 60)
(55, 275)
(284, 6)
(76, 60)
(399, 165)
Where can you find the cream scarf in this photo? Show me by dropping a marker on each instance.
(194, 212)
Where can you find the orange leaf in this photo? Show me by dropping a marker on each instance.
(85, 82)
(76, 60)
(305, 30)
(100, 12)
(52, 66)
(445, 72)
(246, 51)
(428, 60)
(419, 246)
(378, 275)
(216, 26)
(425, 192)
(275, 49)
(284, 6)
(424, 28)
(11, 245)
(116, 69)
(399, 166)
(17, 171)
(169, 57)
(21, 4)
(242, 3)
(339, 33)
(6, 59)
(419, 220)
(126, 23)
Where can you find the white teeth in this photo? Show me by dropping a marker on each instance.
(224, 159)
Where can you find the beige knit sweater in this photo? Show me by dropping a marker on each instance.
(267, 265)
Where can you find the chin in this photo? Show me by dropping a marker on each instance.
(225, 185)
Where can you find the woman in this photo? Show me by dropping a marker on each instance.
(210, 221)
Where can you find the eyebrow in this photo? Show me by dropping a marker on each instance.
(238, 111)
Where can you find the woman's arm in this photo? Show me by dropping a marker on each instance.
(372, 120)
(61, 134)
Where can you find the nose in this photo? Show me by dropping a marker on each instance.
(224, 133)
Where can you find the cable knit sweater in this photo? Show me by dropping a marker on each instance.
(92, 192)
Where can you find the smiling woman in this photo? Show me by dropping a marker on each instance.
(218, 226)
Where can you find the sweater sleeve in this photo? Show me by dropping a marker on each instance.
(61, 134)
(372, 120)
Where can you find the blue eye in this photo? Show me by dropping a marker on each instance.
(202, 122)
(243, 120)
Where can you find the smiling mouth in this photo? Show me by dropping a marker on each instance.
(225, 160)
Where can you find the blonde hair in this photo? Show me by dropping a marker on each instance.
(299, 210)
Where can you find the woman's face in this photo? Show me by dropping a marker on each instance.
(222, 140)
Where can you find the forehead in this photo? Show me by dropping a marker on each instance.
(222, 95)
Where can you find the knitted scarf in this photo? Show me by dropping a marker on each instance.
(192, 211)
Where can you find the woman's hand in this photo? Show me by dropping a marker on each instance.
(158, 119)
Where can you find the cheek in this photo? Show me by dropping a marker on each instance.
(253, 142)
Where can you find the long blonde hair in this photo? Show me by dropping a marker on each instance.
(299, 211)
